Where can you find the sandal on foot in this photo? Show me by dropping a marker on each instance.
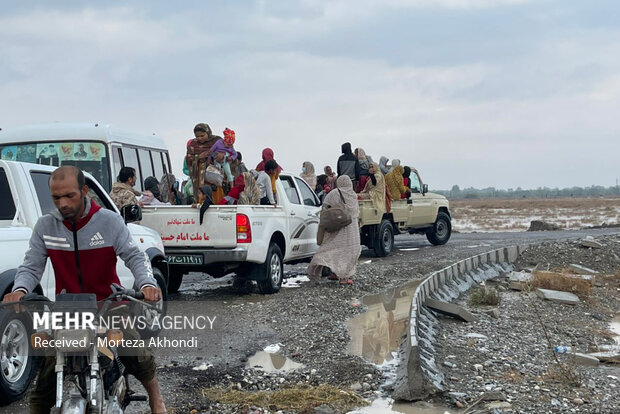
(345, 281)
(332, 277)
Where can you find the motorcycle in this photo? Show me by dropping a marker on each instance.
(90, 378)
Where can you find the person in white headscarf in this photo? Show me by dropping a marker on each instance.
(338, 252)
(383, 165)
(395, 163)
(307, 173)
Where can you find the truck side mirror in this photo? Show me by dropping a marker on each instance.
(131, 213)
(424, 189)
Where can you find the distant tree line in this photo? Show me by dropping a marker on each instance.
(541, 192)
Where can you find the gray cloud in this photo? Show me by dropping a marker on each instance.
(474, 92)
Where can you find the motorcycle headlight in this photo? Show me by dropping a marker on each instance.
(74, 340)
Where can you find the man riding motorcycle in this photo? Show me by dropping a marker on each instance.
(82, 241)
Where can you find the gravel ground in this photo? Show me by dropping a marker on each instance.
(514, 356)
(310, 322)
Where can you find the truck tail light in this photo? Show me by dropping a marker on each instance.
(244, 230)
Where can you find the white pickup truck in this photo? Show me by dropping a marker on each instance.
(25, 197)
(252, 241)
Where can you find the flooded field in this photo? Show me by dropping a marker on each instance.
(490, 215)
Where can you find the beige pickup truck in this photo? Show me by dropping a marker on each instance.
(426, 213)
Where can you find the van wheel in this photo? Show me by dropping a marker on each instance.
(174, 280)
(150, 314)
(18, 365)
(384, 239)
(441, 230)
(269, 274)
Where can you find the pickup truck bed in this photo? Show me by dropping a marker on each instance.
(252, 241)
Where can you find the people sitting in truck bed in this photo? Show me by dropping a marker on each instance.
(263, 180)
(251, 193)
(122, 193)
(235, 192)
(322, 189)
(198, 151)
(375, 189)
(364, 161)
(268, 155)
(394, 182)
(237, 167)
(151, 194)
(348, 164)
(407, 181)
(331, 176)
(219, 161)
(383, 165)
(205, 199)
(225, 146)
(307, 173)
(395, 163)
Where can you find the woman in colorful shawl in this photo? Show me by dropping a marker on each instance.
(375, 189)
(308, 175)
(198, 151)
(338, 252)
(394, 182)
(251, 193)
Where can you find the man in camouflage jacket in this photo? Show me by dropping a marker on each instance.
(123, 193)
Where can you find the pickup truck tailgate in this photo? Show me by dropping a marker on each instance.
(179, 225)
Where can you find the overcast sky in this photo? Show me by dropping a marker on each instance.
(479, 93)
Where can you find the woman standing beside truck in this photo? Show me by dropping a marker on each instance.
(339, 250)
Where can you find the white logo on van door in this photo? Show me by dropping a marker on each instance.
(96, 240)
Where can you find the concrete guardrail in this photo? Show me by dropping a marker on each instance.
(418, 376)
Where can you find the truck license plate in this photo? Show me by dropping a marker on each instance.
(191, 259)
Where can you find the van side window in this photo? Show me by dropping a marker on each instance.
(158, 164)
(130, 159)
(145, 163)
(116, 159)
(7, 207)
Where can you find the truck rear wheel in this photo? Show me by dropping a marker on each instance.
(19, 366)
(174, 280)
(442, 229)
(269, 274)
(384, 239)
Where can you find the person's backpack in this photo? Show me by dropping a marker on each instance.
(334, 218)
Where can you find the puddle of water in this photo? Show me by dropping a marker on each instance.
(383, 406)
(295, 281)
(615, 328)
(269, 362)
(376, 333)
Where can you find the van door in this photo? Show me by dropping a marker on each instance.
(295, 216)
(312, 206)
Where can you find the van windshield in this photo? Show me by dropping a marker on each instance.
(90, 156)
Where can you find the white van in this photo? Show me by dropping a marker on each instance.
(101, 150)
